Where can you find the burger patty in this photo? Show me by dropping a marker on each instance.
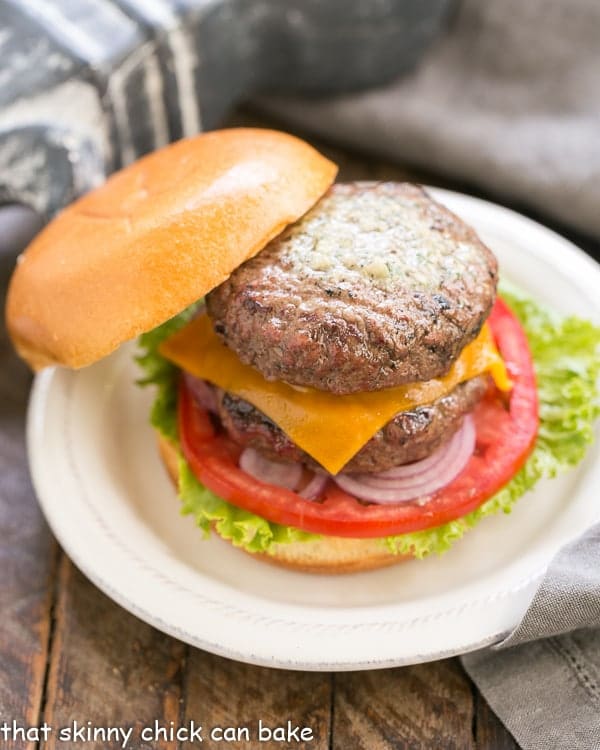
(410, 436)
(377, 286)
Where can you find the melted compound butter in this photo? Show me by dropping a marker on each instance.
(380, 235)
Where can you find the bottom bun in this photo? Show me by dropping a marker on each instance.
(328, 554)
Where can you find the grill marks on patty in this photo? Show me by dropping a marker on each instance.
(410, 436)
(378, 285)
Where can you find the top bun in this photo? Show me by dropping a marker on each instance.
(156, 237)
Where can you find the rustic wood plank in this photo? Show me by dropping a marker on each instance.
(490, 733)
(108, 668)
(424, 706)
(225, 693)
(27, 553)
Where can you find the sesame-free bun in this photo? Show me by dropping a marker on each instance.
(327, 554)
(157, 236)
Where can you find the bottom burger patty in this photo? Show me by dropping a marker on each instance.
(409, 436)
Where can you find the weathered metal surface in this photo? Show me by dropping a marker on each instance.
(89, 85)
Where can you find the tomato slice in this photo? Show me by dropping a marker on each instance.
(506, 432)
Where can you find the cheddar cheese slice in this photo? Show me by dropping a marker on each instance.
(332, 429)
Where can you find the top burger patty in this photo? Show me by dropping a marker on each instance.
(378, 285)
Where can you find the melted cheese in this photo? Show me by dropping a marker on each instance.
(332, 429)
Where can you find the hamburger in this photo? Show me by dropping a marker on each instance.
(339, 384)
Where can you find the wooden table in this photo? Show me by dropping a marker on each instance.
(67, 652)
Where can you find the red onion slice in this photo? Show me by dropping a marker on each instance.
(416, 467)
(203, 392)
(270, 472)
(449, 461)
(315, 487)
(446, 454)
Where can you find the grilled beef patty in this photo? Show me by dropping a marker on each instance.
(378, 285)
(410, 436)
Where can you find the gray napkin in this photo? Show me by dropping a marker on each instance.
(510, 101)
(547, 691)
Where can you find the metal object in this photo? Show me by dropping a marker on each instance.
(87, 86)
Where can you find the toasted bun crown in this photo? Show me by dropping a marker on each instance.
(154, 238)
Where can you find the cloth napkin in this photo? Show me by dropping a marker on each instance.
(543, 680)
(509, 101)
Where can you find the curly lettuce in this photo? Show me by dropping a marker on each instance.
(239, 526)
(161, 373)
(566, 353)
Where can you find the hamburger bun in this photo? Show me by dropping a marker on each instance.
(156, 237)
(327, 554)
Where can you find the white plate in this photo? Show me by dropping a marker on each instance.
(109, 502)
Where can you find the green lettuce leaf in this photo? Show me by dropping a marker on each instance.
(242, 528)
(566, 352)
(160, 372)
